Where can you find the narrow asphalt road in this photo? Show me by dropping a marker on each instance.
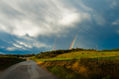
(26, 70)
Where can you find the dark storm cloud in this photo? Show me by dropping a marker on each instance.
(35, 24)
(42, 17)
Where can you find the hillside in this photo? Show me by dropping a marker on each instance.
(81, 64)
(76, 54)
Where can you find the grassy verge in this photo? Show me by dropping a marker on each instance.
(84, 69)
(7, 61)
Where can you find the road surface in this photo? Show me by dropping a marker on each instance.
(26, 70)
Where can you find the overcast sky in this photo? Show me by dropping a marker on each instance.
(31, 26)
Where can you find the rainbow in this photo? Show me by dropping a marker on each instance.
(73, 42)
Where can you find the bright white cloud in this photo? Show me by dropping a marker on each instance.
(24, 44)
(30, 44)
(18, 47)
(68, 18)
(11, 48)
(38, 17)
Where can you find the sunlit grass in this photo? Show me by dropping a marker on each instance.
(52, 59)
(87, 54)
(83, 54)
